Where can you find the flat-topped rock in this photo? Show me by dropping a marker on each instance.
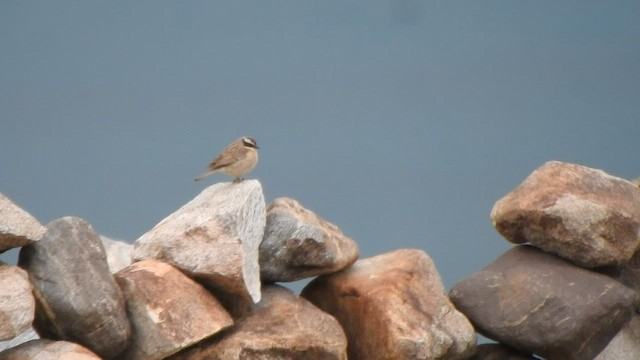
(17, 227)
(298, 244)
(214, 238)
(118, 253)
(581, 214)
(541, 304)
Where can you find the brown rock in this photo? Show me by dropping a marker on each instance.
(17, 305)
(214, 238)
(541, 304)
(298, 244)
(77, 298)
(17, 227)
(626, 344)
(581, 214)
(498, 352)
(281, 326)
(393, 306)
(44, 349)
(118, 253)
(168, 310)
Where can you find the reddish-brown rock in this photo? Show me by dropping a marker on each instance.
(17, 305)
(541, 304)
(168, 310)
(298, 244)
(581, 214)
(214, 238)
(44, 349)
(77, 298)
(393, 306)
(281, 326)
(17, 227)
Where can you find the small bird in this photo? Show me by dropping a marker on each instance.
(235, 160)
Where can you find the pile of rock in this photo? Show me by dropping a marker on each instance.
(201, 285)
(571, 293)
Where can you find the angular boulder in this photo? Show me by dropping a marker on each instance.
(17, 227)
(214, 238)
(538, 303)
(281, 326)
(581, 214)
(298, 244)
(44, 349)
(118, 253)
(499, 352)
(17, 305)
(77, 298)
(393, 306)
(168, 310)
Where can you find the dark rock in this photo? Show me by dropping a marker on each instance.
(393, 306)
(581, 214)
(168, 310)
(541, 304)
(44, 349)
(77, 298)
(281, 326)
(298, 244)
(17, 305)
(17, 227)
(214, 238)
(499, 352)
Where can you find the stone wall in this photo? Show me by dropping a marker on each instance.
(202, 284)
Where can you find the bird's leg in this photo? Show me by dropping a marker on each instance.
(237, 180)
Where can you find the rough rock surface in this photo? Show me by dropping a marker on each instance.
(499, 352)
(214, 238)
(17, 305)
(541, 304)
(118, 253)
(17, 227)
(282, 326)
(77, 298)
(298, 244)
(393, 306)
(581, 214)
(44, 349)
(626, 344)
(168, 310)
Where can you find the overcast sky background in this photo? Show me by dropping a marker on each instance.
(402, 122)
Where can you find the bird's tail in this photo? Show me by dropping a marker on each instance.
(202, 176)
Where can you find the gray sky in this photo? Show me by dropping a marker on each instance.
(402, 122)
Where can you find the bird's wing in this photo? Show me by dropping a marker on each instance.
(228, 156)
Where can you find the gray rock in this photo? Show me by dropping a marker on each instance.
(626, 344)
(581, 214)
(44, 349)
(281, 326)
(77, 298)
(118, 253)
(298, 244)
(538, 303)
(28, 335)
(17, 227)
(499, 352)
(168, 310)
(214, 238)
(17, 305)
(393, 306)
